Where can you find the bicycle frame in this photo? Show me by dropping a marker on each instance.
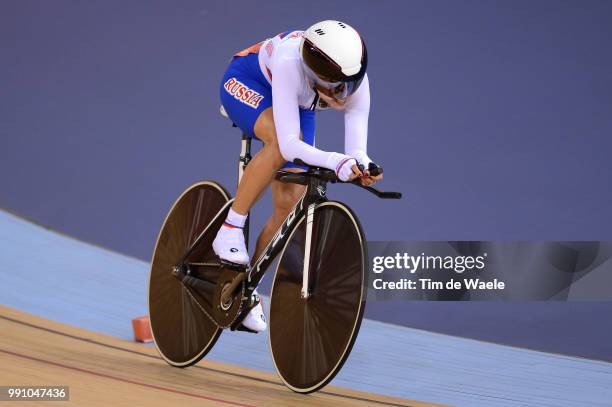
(313, 194)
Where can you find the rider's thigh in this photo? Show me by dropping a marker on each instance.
(264, 128)
(284, 195)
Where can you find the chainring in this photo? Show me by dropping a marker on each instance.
(226, 313)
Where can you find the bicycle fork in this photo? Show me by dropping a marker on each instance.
(305, 293)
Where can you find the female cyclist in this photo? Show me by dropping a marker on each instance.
(271, 91)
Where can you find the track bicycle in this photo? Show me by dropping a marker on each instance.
(319, 288)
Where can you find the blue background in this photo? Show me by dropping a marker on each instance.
(493, 117)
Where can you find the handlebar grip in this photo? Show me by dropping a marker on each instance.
(374, 169)
(391, 195)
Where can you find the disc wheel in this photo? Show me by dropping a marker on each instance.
(310, 339)
(183, 333)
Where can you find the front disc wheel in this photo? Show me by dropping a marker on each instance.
(311, 338)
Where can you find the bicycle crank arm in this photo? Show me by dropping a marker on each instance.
(228, 290)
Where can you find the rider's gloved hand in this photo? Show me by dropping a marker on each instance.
(347, 169)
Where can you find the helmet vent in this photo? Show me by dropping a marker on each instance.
(341, 24)
(319, 31)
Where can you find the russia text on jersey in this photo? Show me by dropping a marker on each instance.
(243, 93)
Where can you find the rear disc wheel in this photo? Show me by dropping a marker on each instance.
(183, 333)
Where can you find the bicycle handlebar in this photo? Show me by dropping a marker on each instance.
(328, 175)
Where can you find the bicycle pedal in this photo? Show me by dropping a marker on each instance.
(252, 301)
(243, 328)
(243, 268)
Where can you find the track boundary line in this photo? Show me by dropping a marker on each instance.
(239, 375)
(107, 376)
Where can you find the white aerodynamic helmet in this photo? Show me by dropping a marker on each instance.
(334, 57)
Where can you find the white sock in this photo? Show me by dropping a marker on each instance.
(235, 219)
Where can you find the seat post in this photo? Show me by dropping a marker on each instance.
(245, 157)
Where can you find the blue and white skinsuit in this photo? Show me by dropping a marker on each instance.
(271, 74)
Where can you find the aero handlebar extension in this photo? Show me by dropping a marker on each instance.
(327, 175)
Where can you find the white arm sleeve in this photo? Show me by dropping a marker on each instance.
(356, 123)
(285, 87)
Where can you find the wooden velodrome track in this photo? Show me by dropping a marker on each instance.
(101, 371)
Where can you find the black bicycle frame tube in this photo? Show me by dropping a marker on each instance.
(314, 193)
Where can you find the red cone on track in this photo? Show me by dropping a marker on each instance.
(142, 329)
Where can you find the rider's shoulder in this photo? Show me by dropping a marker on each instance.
(286, 48)
(286, 58)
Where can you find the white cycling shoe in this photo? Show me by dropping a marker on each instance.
(255, 319)
(229, 245)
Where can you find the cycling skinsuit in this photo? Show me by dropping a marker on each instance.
(247, 90)
(245, 93)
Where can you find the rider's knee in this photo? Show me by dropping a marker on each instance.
(275, 153)
(266, 132)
